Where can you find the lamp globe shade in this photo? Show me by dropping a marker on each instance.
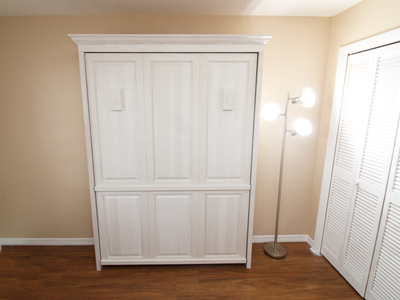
(270, 111)
(307, 97)
(302, 126)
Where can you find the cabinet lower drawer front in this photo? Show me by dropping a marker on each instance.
(173, 227)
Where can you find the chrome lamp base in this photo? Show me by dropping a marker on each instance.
(280, 251)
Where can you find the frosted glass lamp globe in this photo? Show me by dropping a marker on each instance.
(307, 97)
(302, 126)
(270, 111)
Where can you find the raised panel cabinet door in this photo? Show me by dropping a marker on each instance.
(123, 227)
(172, 122)
(116, 105)
(352, 123)
(372, 171)
(228, 84)
(223, 218)
(173, 225)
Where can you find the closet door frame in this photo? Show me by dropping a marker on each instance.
(380, 40)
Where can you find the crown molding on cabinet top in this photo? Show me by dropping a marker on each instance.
(99, 42)
(195, 39)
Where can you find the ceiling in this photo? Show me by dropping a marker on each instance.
(320, 8)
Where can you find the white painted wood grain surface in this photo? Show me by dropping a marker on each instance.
(172, 140)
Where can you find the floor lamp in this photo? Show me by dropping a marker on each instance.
(301, 126)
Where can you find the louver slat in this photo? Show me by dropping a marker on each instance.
(387, 276)
(396, 183)
(347, 155)
(382, 116)
(361, 232)
(336, 216)
(349, 131)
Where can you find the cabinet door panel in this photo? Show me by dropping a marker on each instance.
(223, 224)
(227, 111)
(123, 226)
(115, 87)
(173, 224)
(172, 93)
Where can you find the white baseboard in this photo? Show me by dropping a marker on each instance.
(310, 241)
(46, 241)
(283, 238)
(90, 241)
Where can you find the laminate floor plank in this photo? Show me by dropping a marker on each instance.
(68, 272)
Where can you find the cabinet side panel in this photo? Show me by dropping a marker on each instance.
(89, 154)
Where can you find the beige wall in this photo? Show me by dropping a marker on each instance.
(366, 19)
(43, 171)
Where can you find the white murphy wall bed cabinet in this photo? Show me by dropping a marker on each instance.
(172, 133)
(358, 227)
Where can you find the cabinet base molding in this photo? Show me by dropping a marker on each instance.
(173, 261)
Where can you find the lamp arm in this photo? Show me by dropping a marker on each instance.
(295, 100)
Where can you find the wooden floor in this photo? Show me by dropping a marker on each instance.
(68, 272)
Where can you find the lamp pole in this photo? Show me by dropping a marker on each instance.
(300, 126)
(275, 250)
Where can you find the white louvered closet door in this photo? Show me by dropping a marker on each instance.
(373, 169)
(358, 216)
(349, 141)
(384, 279)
